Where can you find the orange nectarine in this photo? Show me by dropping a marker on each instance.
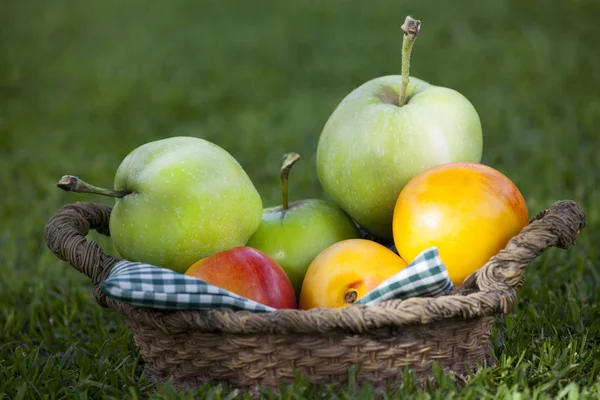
(468, 210)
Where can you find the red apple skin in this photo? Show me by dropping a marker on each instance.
(249, 273)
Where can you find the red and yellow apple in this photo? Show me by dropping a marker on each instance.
(468, 210)
(346, 271)
(249, 273)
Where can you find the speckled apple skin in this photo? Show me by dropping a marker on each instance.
(370, 148)
(190, 199)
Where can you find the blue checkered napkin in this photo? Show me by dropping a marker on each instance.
(146, 285)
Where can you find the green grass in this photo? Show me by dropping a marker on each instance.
(82, 83)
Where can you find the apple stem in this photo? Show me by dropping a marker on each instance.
(411, 28)
(289, 160)
(70, 183)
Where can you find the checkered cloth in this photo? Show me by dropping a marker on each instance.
(146, 285)
(425, 276)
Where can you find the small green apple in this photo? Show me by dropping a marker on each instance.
(384, 133)
(178, 200)
(294, 234)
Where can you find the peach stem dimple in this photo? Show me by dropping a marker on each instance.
(351, 296)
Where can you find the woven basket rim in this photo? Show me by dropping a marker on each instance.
(489, 291)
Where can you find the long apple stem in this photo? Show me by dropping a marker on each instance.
(72, 183)
(289, 160)
(411, 28)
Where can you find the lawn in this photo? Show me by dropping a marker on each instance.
(82, 83)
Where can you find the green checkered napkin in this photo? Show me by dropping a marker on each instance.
(146, 285)
(425, 276)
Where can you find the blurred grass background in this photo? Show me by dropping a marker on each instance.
(82, 83)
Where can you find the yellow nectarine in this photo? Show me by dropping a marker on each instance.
(346, 271)
(468, 210)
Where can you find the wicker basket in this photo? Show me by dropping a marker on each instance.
(247, 350)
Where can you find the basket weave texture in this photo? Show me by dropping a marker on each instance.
(245, 349)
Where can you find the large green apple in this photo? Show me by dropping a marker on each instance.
(385, 132)
(178, 200)
(294, 234)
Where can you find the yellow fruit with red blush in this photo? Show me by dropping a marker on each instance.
(468, 210)
(346, 271)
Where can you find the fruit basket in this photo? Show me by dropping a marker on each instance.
(247, 350)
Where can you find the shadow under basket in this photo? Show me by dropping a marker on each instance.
(246, 350)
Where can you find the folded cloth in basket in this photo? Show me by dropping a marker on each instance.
(146, 285)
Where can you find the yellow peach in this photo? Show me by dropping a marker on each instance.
(346, 271)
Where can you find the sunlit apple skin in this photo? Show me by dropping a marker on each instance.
(249, 273)
(353, 264)
(370, 147)
(468, 210)
(295, 236)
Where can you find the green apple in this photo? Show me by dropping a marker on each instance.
(385, 132)
(178, 200)
(295, 233)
